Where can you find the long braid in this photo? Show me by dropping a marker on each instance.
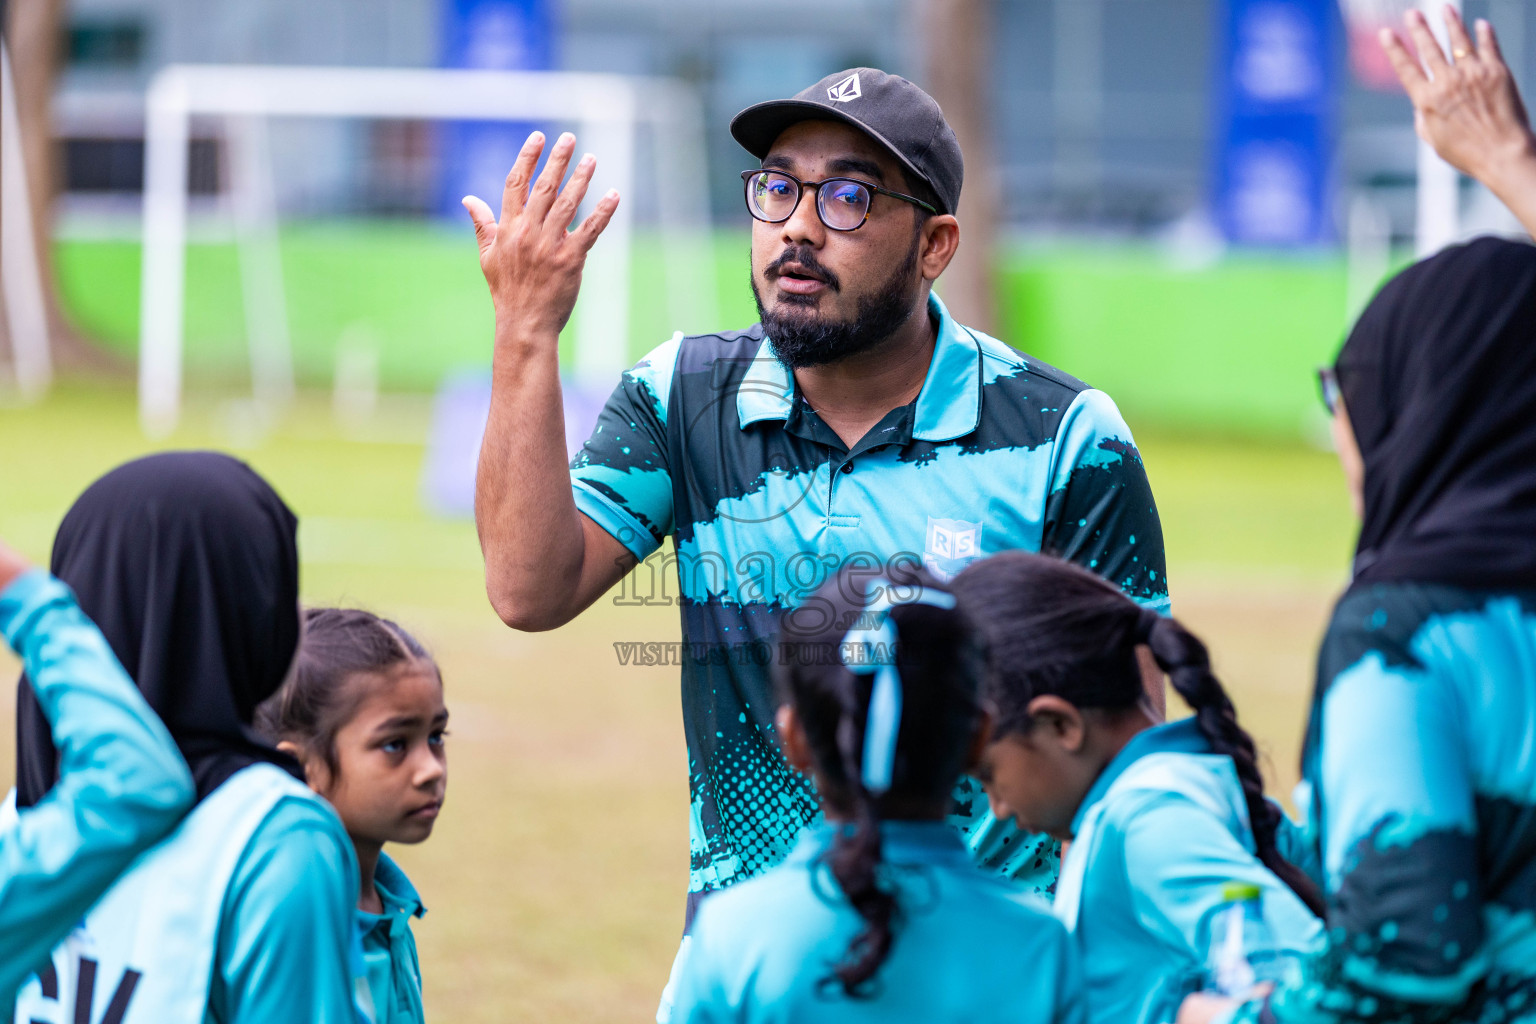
(1181, 654)
(907, 689)
(855, 857)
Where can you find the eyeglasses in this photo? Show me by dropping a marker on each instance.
(841, 203)
(1328, 384)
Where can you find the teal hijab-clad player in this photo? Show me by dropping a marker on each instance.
(188, 563)
(121, 783)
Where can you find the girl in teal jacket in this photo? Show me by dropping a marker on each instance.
(1162, 819)
(879, 914)
(122, 785)
(364, 714)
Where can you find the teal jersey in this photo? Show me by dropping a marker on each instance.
(122, 784)
(242, 915)
(709, 441)
(389, 948)
(1419, 773)
(1161, 832)
(287, 939)
(970, 947)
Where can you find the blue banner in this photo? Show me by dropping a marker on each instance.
(502, 35)
(1277, 89)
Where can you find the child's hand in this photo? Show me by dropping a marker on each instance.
(12, 565)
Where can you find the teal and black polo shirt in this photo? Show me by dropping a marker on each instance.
(707, 440)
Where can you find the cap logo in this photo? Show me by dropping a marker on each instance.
(847, 89)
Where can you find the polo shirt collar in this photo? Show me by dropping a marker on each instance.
(396, 890)
(933, 842)
(1182, 736)
(949, 405)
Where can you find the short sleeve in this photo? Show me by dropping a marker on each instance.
(1100, 512)
(286, 936)
(621, 477)
(1179, 858)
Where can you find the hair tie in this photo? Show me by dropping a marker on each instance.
(872, 650)
(1146, 620)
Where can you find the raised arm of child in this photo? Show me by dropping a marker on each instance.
(122, 783)
(1468, 108)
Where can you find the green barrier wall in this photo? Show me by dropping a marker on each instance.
(1228, 347)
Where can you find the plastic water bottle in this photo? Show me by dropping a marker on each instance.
(1240, 948)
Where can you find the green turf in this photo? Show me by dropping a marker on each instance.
(555, 877)
(1228, 347)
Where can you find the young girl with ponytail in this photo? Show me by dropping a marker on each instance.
(1161, 818)
(879, 914)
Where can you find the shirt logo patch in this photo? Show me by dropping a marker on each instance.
(952, 545)
(847, 89)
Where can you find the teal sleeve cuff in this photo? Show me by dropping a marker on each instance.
(20, 602)
(618, 524)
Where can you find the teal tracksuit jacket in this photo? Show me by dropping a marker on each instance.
(1161, 832)
(1419, 775)
(122, 784)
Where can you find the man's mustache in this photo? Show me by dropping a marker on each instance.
(805, 264)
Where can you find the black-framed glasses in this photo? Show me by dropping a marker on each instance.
(1328, 385)
(841, 203)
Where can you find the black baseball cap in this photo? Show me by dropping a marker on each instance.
(887, 108)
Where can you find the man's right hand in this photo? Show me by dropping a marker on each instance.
(531, 262)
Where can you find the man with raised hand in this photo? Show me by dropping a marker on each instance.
(856, 424)
(1467, 106)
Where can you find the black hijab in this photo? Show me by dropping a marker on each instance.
(1439, 382)
(188, 563)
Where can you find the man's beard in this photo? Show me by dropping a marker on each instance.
(802, 339)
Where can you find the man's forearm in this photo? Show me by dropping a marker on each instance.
(530, 531)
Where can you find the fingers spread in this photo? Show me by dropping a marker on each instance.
(515, 195)
(596, 221)
(1408, 70)
(570, 198)
(1456, 32)
(548, 186)
(480, 215)
(1426, 43)
(1488, 42)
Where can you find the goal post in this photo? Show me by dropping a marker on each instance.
(606, 109)
(21, 280)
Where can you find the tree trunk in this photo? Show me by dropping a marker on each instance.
(34, 31)
(957, 67)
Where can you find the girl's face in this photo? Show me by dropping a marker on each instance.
(392, 765)
(1040, 777)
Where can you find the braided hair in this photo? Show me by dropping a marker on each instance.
(320, 697)
(939, 661)
(1055, 628)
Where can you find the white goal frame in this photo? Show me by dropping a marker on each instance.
(21, 279)
(607, 110)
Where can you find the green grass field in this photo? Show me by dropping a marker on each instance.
(556, 875)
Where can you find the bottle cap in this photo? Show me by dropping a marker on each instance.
(1239, 892)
